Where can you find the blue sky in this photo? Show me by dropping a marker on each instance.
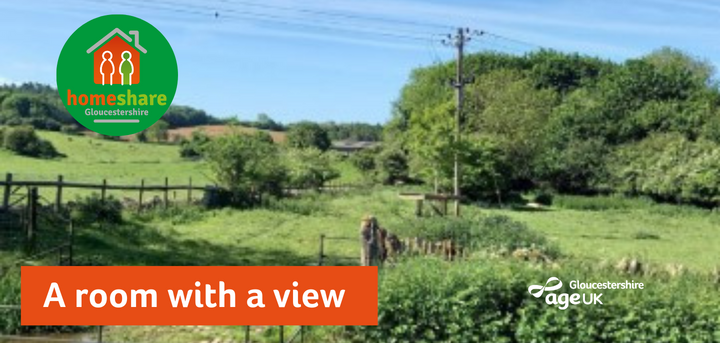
(289, 59)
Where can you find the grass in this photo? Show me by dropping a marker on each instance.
(598, 228)
(612, 228)
(92, 159)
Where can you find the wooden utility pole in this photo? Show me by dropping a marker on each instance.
(458, 41)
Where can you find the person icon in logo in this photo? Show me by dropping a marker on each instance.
(107, 67)
(126, 68)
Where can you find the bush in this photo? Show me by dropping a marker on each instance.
(668, 168)
(24, 141)
(428, 300)
(193, 148)
(93, 209)
(544, 198)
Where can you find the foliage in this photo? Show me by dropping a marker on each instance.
(186, 116)
(669, 168)
(308, 168)
(353, 131)
(392, 166)
(24, 141)
(246, 164)
(428, 300)
(93, 209)
(308, 135)
(193, 147)
(158, 132)
(559, 120)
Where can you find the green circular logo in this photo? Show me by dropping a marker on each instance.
(117, 75)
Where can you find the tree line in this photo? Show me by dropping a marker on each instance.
(559, 122)
(40, 106)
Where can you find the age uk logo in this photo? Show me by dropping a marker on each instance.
(112, 81)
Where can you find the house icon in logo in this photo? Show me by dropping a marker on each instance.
(116, 62)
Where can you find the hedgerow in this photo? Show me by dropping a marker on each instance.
(428, 300)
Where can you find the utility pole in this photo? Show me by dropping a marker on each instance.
(458, 41)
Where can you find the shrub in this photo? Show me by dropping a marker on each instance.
(93, 209)
(193, 147)
(543, 198)
(428, 300)
(392, 166)
(668, 168)
(24, 141)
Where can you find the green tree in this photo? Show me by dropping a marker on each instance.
(158, 132)
(245, 164)
(308, 135)
(309, 168)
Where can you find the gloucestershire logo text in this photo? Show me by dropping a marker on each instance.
(563, 300)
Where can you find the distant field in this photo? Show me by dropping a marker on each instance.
(215, 130)
(92, 159)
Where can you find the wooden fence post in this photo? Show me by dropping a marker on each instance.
(58, 194)
(282, 334)
(140, 200)
(190, 191)
(321, 256)
(72, 242)
(8, 190)
(103, 190)
(166, 192)
(32, 218)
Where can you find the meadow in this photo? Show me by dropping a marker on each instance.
(288, 231)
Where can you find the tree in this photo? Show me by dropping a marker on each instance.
(158, 132)
(24, 141)
(195, 146)
(246, 164)
(309, 168)
(308, 135)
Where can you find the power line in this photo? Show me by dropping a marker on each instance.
(343, 15)
(270, 18)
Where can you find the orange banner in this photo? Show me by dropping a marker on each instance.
(199, 295)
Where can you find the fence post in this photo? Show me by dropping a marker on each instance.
(166, 192)
(302, 334)
(282, 334)
(140, 201)
(72, 242)
(58, 194)
(100, 334)
(8, 190)
(190, 191)
(103, 190)
(32, 216)
(322, 250)
(247, 334)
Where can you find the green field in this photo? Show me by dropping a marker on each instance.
(583, 227)
(91, 160)
(587, 228)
